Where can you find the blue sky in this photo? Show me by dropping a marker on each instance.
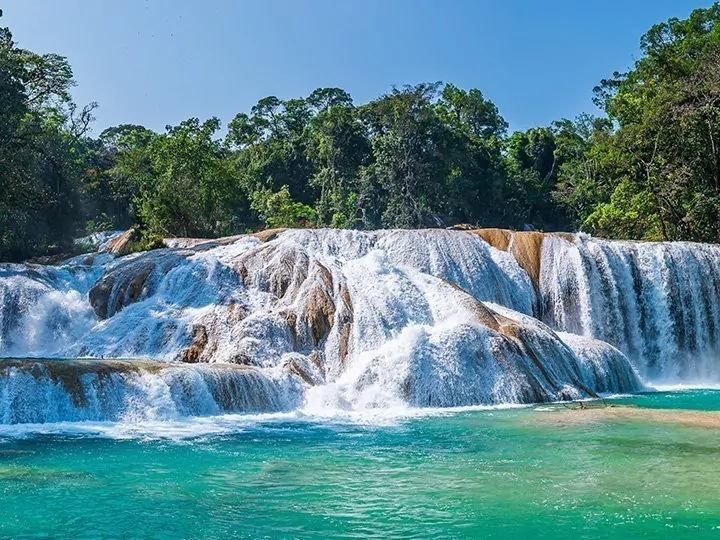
(157, 62)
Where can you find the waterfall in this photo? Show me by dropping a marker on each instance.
(40, 391)
(43, 309)
(657, 302)
(354, 320)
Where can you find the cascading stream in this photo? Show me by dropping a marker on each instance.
(41, 391)
(356, 321)
(657, 302)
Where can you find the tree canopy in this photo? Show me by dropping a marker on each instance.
(425, 155)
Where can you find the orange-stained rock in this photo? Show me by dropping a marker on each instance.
(565, 236)
(192, 354)
(268, 234)
(319, 308)
(119, 244)
(483, 313)
(526, 247)
(497, 238)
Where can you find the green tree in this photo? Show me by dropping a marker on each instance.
(270, 148)
(278, 209)
(475, 189)
(407, 137)
(181, 180)
(40, 161)
(339, 147)
(666, 110)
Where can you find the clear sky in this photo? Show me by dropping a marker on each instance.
(157, 62)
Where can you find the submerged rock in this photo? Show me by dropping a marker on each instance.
(609, 414)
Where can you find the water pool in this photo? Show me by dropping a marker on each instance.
(462, 474)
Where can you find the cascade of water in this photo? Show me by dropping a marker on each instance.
(43, 309)
(37, 391)
(657, 302)
(98, 240)
(422, 341)
(463, 258)
(361, 320)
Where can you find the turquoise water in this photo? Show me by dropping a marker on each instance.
(694, 400)
(472, 474)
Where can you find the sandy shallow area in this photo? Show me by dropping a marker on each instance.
(562, 416)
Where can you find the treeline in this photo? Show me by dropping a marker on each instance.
(429, 155)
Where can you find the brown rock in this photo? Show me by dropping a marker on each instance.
(236, 312)
(345, 333)
(316, 358)
(497, 238)
(298, 370)
(99, 295)
(291, 320)
(130, 281)
(268, 234)
(192, 354)
(319, 309)
(119, 244)
(526, 247)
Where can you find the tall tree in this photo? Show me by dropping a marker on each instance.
(181, 180)
(666, 110)
(476, 187)
(407, 137)
(40, 165)
(339, 147)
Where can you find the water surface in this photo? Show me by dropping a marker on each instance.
(469, 474)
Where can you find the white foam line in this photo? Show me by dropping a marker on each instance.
(227, 424)
(188, 428)
(197, 427)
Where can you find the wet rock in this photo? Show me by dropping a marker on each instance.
(119, 245)
(192, 354)
(131, 281)
(497, 238)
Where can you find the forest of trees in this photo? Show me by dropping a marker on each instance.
(429, 155)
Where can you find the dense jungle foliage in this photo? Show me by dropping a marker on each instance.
(429, 155)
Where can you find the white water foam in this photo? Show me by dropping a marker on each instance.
(192, 428)
(659, 303)
(390, 300)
